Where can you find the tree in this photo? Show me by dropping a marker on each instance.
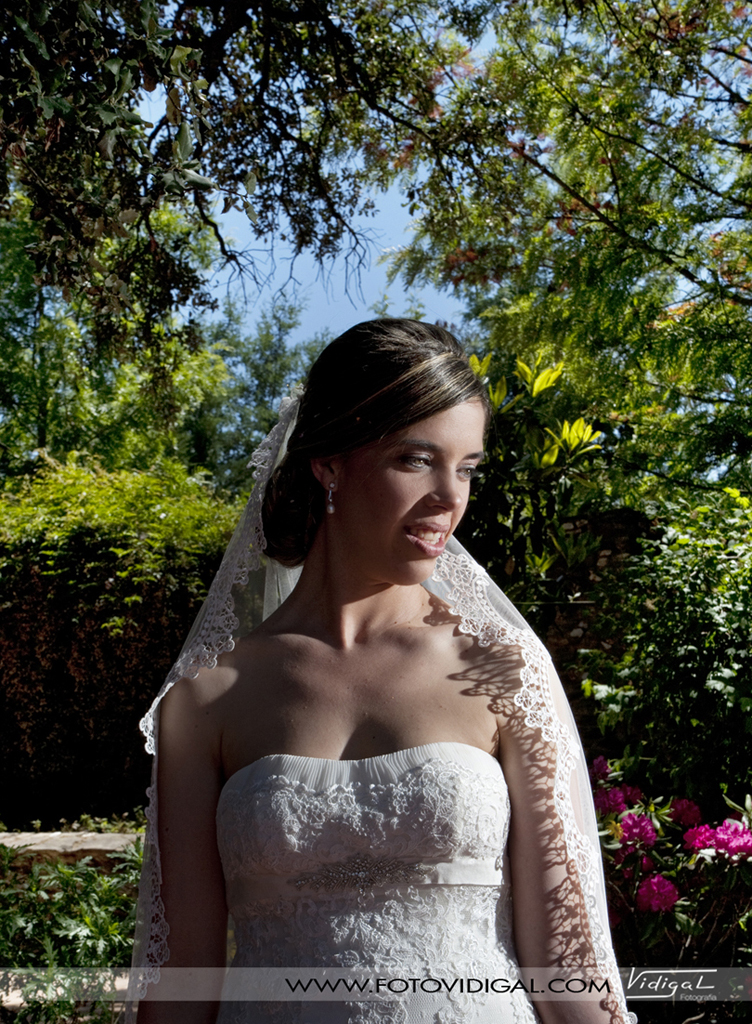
(156, 379)
(269, 90)
(598, 209)
(76, 377)
(525, 533)
(220, 434)
(72, 139)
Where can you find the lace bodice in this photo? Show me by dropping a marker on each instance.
(393, 864)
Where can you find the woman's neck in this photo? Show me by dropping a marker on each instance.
(344, 607)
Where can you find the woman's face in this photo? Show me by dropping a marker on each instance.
(398, 502)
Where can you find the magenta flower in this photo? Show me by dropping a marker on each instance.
(609, 801)
(637, 829)
(700, 838)
(599, 769)
(632, 794)
(648, 864)
(656, 893)
(733, 839)
(685, 812)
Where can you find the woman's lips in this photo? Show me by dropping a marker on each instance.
(429, 540)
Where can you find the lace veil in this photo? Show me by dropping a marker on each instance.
(248, 587)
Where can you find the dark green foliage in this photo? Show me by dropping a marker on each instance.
(71, 134)
(538, 479)
(74, 376)
(66, 915)
(101, 575)
(261, 89)
(679, 690)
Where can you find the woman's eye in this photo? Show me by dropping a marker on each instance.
(470, 472)
(416, 460)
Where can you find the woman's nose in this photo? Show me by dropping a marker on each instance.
(449, 493)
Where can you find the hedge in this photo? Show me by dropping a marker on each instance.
(101, 575)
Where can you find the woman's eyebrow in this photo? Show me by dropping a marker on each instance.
(431, 446)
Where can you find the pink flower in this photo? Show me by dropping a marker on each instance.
(656, 893)
(701, 838)
(609, 801)
(733, 839)
(647, 864)
(636, 829)
(599, 769)
(685, 812)
(632, 794)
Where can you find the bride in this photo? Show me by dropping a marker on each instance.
(365, 778)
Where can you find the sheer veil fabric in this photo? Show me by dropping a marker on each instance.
(248, 587)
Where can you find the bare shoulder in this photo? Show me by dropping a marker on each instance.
(211, 684)
(195, 702)
(242, 678)
(477, 643)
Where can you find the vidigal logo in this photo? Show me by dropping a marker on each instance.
(671, 983)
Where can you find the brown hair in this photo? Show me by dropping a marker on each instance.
(375, 379)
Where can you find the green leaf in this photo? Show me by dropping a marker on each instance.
(547, 378)
(125, 84)
(34, 38)
(550, 455)
(107, 115)
(197, 180)
(498, 393)
(183, 145)
(178, 56)
(524, 372)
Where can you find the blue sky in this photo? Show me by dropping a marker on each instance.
(335, 298)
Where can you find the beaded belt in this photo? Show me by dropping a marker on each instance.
(363, 874)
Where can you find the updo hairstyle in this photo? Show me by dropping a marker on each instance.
(375, 379)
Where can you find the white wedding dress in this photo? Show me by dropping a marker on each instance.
(393, 865)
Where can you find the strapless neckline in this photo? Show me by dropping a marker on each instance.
(396, 760)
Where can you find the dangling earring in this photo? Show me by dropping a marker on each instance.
(329, 501)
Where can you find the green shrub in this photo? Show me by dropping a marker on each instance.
(101, 575)
(540, 472)
(135, 822)
(66, 915)
(678, 692)
(679, 890)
